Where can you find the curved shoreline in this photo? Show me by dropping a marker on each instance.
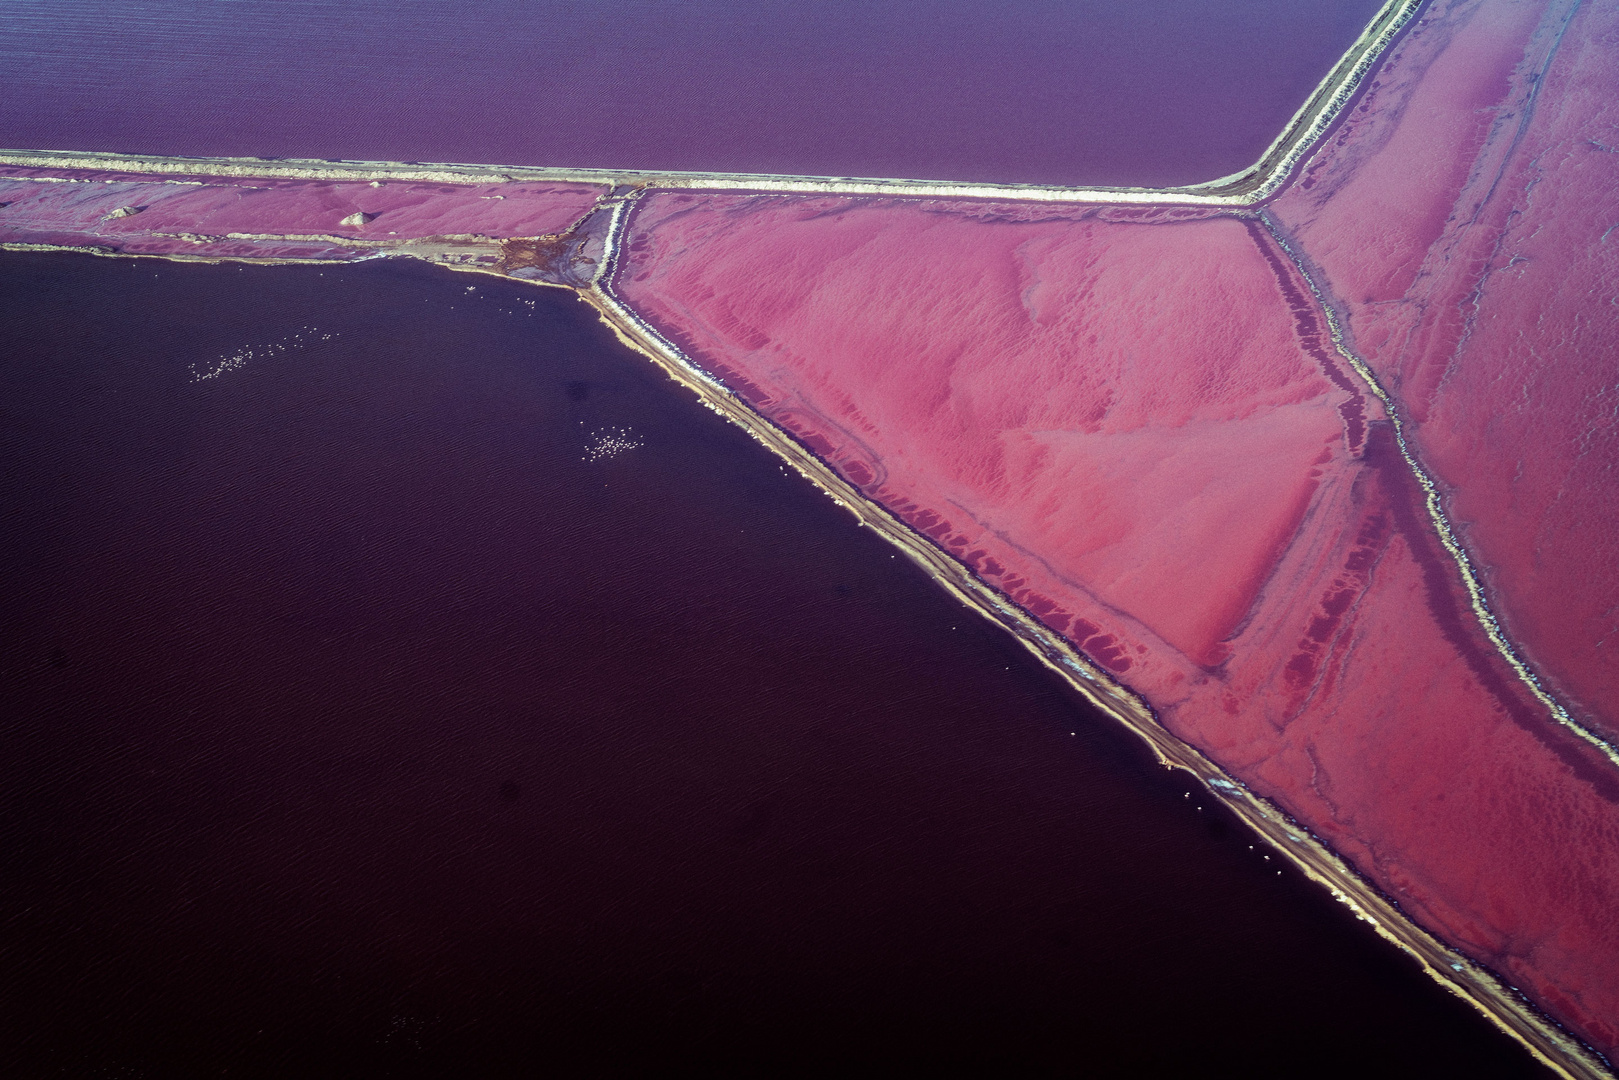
(1251, 185)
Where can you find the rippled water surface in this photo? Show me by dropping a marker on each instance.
(1043, 91)
(403, 679)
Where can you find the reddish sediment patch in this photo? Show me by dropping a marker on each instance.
(1464, 223)
(1136, 427)
(1023, 393)
(234, 217)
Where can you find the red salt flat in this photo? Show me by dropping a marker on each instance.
(1133, 424)
(1463, 222)
(174, 215)
(1040, 415)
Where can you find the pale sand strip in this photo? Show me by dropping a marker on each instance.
(1253, 184)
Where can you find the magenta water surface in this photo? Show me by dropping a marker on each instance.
(403, 681)
(1151, 92)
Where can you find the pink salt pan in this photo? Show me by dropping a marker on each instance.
(171, 216)
(1463, 222)
(1135, 425)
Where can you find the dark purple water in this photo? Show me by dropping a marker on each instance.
(1044, 91)
(355, 725)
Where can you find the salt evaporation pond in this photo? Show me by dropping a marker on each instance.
(406, 679)
(1151, 93)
